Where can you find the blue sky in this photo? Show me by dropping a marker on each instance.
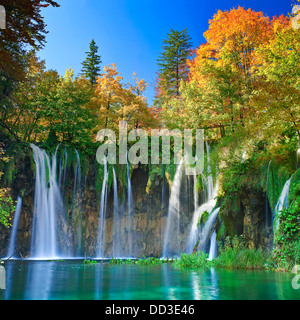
(129, 33)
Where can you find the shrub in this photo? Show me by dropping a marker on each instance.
(194, 261)
(235, 254)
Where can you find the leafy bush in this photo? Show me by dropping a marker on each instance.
(195, 261)
(235, 254)
(90, 262)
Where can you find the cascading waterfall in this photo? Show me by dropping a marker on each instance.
(48, 208)
(207, 231)
(102, 213)
(213, 246)
(62, 170)
(282, 203)
(117, 236)
(210, 203)
(130, 213)
(76, 209)
(13, 235)
(171, 245)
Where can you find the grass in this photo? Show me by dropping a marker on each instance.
(193, 261)
(235, 254)
(140, 261)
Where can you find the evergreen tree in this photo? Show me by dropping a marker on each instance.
(172, 63)
(91, 65)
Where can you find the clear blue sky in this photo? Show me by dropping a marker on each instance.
(129, 33)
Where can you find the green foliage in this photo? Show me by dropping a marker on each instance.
(89, 261)
(286, 253)
(278, 174)
(204, 217)
(287, 239)
(155, 174)
(6, 208)
(115, 261)
(235, 254)
(238, 178)
(91, 65)
(172, 66)
(194, 261)
(140, 261)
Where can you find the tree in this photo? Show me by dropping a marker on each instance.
(91, 65)
(108, 97)
(6, 203)
(172, 65)
(14, 41)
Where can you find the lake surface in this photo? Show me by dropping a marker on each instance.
(68, 280)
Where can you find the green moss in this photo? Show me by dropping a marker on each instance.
(286, 253)
(204, 217)
(155, 172)
(277, 177)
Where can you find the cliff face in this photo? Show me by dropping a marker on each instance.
(253, 219)
(78, 222)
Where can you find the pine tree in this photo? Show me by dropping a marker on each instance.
(91, 65)
(172, 63)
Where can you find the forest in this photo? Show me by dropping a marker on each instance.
(242, 86)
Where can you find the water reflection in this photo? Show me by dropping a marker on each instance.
(67, 280)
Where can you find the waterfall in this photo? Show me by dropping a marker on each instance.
(210, 203)
(76, 208)
(210, 182)
(14, 231)
(48, 208)
(102, 213)
(206, 233)
(62, 170)
(282, 203)
(129, 213)
(117, 237)
(172, 232)
(213, 246)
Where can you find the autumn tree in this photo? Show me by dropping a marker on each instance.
(277, 99)
(108, 97)
(91, 65)
(223, 72)
(15, 40)
(135, 108)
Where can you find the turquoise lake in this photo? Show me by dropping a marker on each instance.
(73, 280)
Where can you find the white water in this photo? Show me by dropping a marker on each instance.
(172, 232)
(14, 231)
(130, 213)
(213, 246)
(117, 236)
(102, 214)
(48, 206)
(76, 208)
(282, 203)
(210, 203)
